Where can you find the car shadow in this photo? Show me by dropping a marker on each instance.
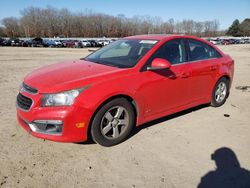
(228, 174)
(151, 123)
(88, 142)
(166, 118)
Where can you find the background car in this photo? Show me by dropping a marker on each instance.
(103, 42)
(49, 43)
(6, 42)
(15, 42)
(58, 43)
(226, 42)
(85, 43)
(215, 41)
(52, 43)
(94, 43)
(246, 40)
(1, 41)
(71, 43)
(36, 42)
(63, 42)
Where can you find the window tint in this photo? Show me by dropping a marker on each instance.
(173, 51)
(200, 51)
(213, 53)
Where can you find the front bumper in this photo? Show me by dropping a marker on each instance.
(74, 120)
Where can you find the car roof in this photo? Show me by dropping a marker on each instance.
(163, 37)
(160, 36)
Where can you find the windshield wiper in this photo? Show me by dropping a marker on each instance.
(112, 65)
(90, 60)
(102, 63)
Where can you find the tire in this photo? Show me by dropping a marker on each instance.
(113, 122)
(220, 92)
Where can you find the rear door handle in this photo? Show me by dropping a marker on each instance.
(213, 68)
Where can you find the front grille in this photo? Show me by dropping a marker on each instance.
(29, 89)
(23, 102)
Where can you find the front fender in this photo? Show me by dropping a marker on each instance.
(98, 94)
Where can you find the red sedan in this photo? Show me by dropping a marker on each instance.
(124, 84)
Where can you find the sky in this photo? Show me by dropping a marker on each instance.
(225, 11)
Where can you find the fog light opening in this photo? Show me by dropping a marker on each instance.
(53, 127)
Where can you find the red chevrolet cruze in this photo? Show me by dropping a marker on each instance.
(124, 84)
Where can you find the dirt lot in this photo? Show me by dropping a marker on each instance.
(173, 152)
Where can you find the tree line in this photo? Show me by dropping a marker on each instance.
(52, 22)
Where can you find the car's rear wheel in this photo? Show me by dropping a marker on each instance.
(113, 122)
(220, 92)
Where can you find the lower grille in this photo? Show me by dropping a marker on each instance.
(23, 102)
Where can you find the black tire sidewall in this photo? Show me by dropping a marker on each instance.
(214, 103)
(96, 128)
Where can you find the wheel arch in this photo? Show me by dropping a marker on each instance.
(212, 101)
(225, 76)
(127, 97)
(210, 91)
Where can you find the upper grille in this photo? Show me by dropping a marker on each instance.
(29, 89)
(23, 102)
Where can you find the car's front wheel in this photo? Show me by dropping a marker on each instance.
(220, 92)
(113, 122)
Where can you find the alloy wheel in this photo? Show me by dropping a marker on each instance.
(220, 92)
(114, 122)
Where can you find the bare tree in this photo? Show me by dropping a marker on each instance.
(198, 28)
(51, 22)
(211, 28)
(12, 28)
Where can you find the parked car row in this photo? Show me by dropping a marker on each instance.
(39, 42)
(227, 41)
(69, 43)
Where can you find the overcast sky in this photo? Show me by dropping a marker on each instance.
(225, 11)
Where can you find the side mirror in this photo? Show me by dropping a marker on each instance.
(159, 63)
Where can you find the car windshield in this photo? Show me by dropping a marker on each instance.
(123, 53)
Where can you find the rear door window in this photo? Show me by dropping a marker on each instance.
(201, 51)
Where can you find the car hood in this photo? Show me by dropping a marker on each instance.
(68, 75)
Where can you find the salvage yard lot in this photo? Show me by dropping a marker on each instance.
(171, 152)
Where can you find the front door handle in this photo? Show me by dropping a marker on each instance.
(184, 75)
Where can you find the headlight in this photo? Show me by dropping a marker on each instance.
(66, 98)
